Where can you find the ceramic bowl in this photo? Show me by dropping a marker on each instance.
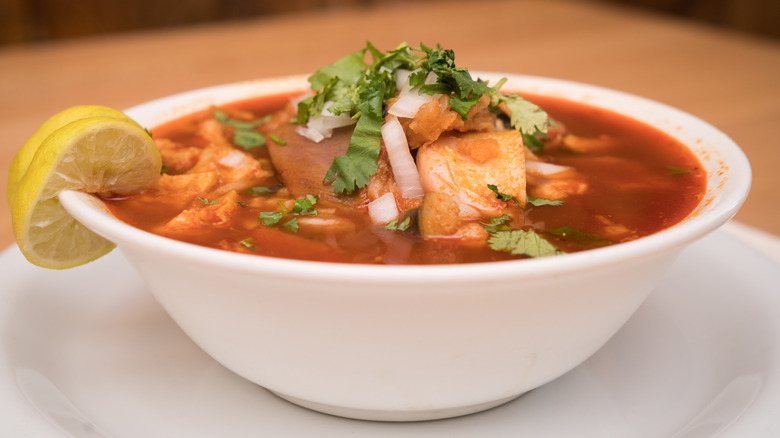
(402, 343)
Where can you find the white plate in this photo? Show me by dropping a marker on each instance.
(88, 353)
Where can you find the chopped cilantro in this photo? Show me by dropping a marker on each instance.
(206, 201)
(262, 190)
(248, 243)
(538, 202)
(292, 225)
(242, 204)
(526, 116)
(244, 134)
(270, 218)
(503, 196)
(498, 223)
(223, 118)
(303, 206)
(360, 88)
(248, 139)
(520, 242)
(276, 139)
(674, 170)
(399, 226)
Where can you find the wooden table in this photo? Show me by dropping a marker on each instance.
(731, 80)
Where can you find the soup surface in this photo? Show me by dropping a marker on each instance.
(242, 178)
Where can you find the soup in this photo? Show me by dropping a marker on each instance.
(465, 185)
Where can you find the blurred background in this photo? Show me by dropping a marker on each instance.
(25, 21)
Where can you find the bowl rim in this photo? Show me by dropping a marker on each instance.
(731, 194)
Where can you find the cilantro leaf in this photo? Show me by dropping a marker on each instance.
(538, 202)
(302, 206)
(292, 225)
(353, 169)
(674, 170)
(248, 139)
(348, 69)
(503, 196)
(276, 139)
(498, 223)
(520, 242)
(263, 190)
(305, 206)
(270, 218)
(248, 243)
(526, 117)
(206, 201)
(402, 226)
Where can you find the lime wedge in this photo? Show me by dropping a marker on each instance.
(102, 154)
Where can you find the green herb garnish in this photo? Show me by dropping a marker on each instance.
(538, 202)
(498, 223)
(264, 190)
(302, 207)
(248, 243)
(270, 218)
(248, 139)
(276, 139)
(292, 225)
(360, 88)
(674, 170)
(399, 226)
(244, 134)
(520, 242)
(503, 196)
(206, 201)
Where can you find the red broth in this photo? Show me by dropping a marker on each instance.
(638, 181)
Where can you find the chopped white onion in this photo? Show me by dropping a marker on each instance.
(311, 134)
(320, 128)
(409, 101)
(544, 168)
(383, 209)
(402, 79)
(405, 172)
(297, 99)
(234, 159)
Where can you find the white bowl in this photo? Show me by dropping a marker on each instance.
(404, 343)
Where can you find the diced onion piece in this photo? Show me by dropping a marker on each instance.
(311, 134)
(409, 101)
(320, 128)
(296, 100)
(234, 159)
(405, 172)
(383, 209)
(402, 79)
(544, 168)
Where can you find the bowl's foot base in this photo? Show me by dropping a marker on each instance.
(396, 415)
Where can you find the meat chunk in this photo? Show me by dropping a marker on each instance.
(176, 157)
(207, 214)
(438, 215)
(301, 164)
(435, 118)
(461, 166)
(383, 182)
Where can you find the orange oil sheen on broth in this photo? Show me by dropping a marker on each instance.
(643, 182)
